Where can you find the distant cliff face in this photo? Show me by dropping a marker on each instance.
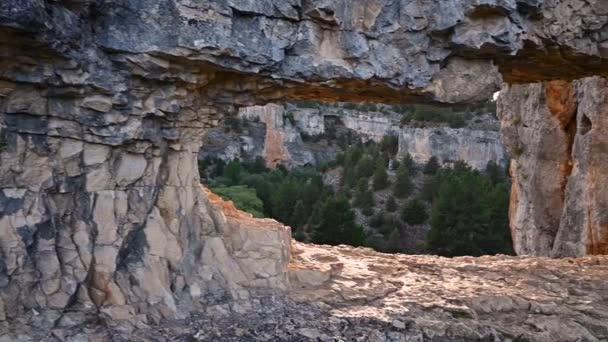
(295, 136)
(475, 147)
(272, 133)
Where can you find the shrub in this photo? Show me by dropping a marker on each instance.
(494, 172)
(457, 121)
(377, 220)
(429, 189)
(432, 166)
(350, 106)
(380, 180)
(367, 211)
(518, 150)
(232, 172)
(257, 166)
(284, 199)
(403, 185)
(394, 241)
(307, 104)
(243, 197)
(3, 142)
(408, 162)
(390, 144)
(337, 224)
(395, 165)
(391, 204)
(365, 166)
(364, 198)
(414, 212)
(299, 215)
(233, 123)
(289, 117)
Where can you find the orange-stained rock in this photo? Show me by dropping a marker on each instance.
(537, 145)
(514, 201)
(252, 252)
(275, 152)
(556, 135)
(560, 100)
(584, 222)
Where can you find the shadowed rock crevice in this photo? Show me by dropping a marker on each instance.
(586, 125)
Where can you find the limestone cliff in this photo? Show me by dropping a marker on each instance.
(295, 136)
(554, 131)
(104, 104)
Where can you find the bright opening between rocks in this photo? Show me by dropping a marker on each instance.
(413, 179)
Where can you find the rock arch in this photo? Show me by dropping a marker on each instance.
(103, 104)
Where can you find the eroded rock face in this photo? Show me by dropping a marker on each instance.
(429, 297)
(346, 293)
(276, 134)
(475, 147)
(104, 103)
(555, 135)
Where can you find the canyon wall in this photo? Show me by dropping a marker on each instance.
(294, 136)
(555, 132)
(475, 147)
(104, 104)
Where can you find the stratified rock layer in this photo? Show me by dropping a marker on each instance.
(282, 135)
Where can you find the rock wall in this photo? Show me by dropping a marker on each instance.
(104, 104)
(279, 140)
(265, 132)
(555, 132)
(475, 147)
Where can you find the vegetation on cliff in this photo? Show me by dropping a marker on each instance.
(297, 198)
(382, 201)
(469, 215)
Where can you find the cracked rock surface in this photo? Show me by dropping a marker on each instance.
(355, 294)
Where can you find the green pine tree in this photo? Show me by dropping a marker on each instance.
(380, 180)
(409, 163)
(299, 216)
(284, 199)
(232, 171)
(403, 185)
(432, 166)
(337, 224)
(365, 167)
(414, 212)
(470, 216)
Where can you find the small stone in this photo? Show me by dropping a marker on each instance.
(398, 324)
(98, 103)
(130, 168)
(310, 333)
(95, 154)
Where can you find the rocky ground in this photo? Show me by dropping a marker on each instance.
(356, 294)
